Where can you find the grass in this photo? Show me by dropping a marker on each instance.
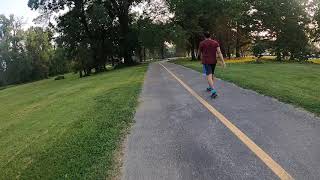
(264, 58)
(68, 129)
(293, 83)
(316, 61)
(248, 59)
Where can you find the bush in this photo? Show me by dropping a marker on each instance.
(59, 78)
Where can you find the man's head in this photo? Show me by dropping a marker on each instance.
(207, 34)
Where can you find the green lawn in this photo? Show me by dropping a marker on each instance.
(294, 83)
(69, 129)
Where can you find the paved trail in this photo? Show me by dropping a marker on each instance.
(177, 137)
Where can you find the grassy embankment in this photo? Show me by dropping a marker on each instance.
(68, 129)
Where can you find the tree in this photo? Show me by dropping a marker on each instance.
(86, 26)
(258, 49)
(187, 16)
(120, 9)
(14, 67)
(25, 55)
(154, 34)
(228, 20)
(59, 62)
(316, 20)
(286, 23)
(108, 13)
(39, 51)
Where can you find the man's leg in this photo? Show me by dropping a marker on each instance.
(210, 79)
(213, 67)
(208, 71)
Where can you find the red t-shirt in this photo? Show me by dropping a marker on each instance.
(208, 49)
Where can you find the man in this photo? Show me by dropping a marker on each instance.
(208, 50)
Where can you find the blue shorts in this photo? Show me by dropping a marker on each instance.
(209, 69)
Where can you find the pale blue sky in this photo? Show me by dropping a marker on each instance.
(18, 8)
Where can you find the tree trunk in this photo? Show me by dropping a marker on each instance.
(144, 54)
(104, 66)
(193, 46)
(223, 49)
(238, 55)
(278, 54)
(80, 73)
(112, 61)
(238, 47)
(193, 55)
(140, 54)
(162, 51)
(228, 52)
(126, 51)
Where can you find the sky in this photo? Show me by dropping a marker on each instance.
(20, 9)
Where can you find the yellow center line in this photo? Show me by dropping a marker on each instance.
(273, 165)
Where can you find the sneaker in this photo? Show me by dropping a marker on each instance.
(214, 94)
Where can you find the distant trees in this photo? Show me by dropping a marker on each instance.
(226, 19)
(93, 32)
(153, 35)
(258, 49)
(285, 24)
(25, 55)
(316, 20)
(39, 52)
(89, 37)
(12, 53)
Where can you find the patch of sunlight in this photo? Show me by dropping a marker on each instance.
(316, 61)
(248, 59)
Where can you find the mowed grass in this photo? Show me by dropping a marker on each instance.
(69, 129)
(294, 83)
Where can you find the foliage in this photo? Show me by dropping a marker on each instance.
(154, 35)
(39, 51)
(228, 20)
(102, 30)
(59, 63)
(286, 23)
(94, 33)
(27, 55)
(258, 49)
(316, 20)
(235, 23)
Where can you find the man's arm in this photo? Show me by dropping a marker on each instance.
(221, 57)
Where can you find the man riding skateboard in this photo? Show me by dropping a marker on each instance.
(208, 50)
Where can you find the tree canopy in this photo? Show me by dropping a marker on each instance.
(90, 34)
(238, 23)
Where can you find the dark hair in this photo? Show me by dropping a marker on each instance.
(207, 34)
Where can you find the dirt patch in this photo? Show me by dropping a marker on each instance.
(116, 173)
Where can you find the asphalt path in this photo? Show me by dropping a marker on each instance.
(181, 133)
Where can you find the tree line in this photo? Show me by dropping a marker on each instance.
(93, 33)
(27, 55)
(288, 28)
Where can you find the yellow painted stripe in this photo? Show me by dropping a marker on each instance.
(274, 166)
